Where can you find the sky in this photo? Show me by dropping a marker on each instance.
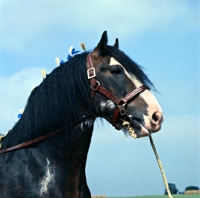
(162, 36)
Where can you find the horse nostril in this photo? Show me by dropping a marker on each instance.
(157, 118)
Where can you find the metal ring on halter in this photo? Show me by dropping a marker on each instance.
(96, 87)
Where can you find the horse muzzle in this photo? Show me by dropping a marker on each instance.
(138, 128)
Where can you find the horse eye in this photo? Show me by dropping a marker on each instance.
(116, 71)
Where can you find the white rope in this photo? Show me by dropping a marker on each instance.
(161, 168)
(131, 131)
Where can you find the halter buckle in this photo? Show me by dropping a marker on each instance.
(122, 109)
(91, 73)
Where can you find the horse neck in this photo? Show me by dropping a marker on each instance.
(71, 142)
(23, 132)
(59, 160)
(51, 107)
(65, 157)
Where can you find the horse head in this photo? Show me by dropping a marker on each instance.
(121, 90)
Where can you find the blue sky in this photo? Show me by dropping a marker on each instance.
(162, 36)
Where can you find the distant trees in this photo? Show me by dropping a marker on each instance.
(172, 188)
(188, 190)
(192, 190)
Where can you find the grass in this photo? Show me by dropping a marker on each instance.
(162, 196)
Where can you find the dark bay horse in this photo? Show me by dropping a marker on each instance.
(104, 83)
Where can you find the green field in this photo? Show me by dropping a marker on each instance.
(163, 196)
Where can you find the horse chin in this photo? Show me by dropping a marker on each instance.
(143, 130)
(139, 129)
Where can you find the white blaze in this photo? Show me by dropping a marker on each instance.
(135, 81)
(147, 96)
(153, 105)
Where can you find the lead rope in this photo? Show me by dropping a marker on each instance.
(160, 166)
(132, 133)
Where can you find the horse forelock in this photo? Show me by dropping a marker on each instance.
(131, 67)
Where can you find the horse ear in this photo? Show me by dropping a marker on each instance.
(102, 45)
(116, 43)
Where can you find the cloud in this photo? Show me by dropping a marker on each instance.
(30, 21)
(15, 90)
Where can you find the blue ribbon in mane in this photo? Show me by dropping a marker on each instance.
(73, 52)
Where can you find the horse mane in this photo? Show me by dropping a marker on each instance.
(60, 99)
(63, 97)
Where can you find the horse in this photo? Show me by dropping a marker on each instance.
(45, 153)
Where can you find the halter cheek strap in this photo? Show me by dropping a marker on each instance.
(120, 103)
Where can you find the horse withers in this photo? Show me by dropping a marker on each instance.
(45, 154)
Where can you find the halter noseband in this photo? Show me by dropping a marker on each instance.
(120, 103)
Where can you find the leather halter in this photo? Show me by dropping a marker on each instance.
(95, 86)
(120, 103)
